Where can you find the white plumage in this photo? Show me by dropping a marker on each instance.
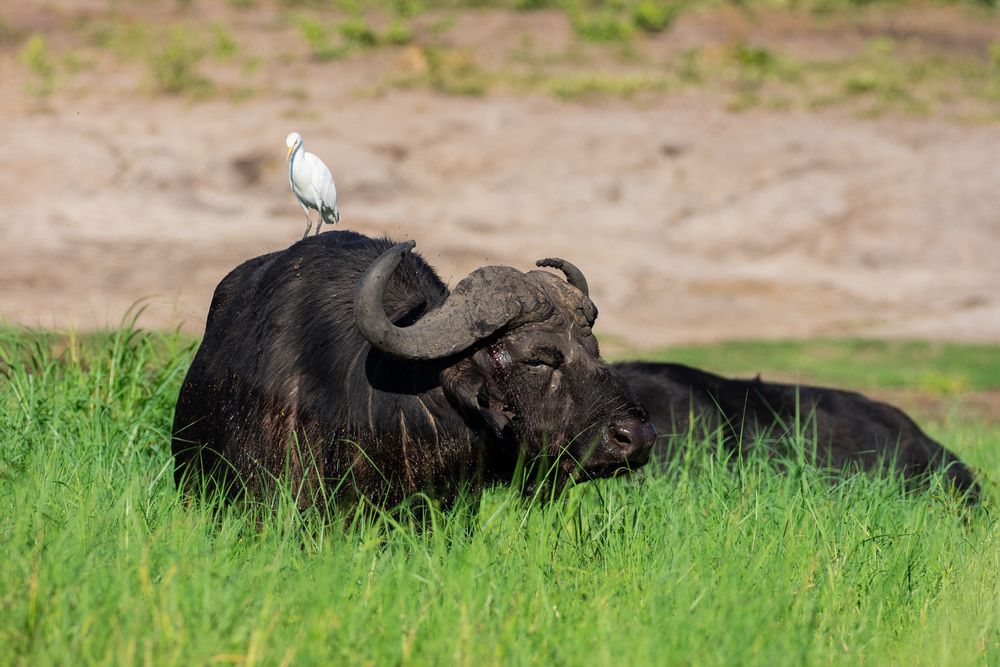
(312, 184)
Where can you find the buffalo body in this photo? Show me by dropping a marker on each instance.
(847, 429)
(344, 364)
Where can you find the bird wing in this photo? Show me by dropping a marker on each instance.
(320, 180)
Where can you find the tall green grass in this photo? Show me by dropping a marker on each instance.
(711, 564)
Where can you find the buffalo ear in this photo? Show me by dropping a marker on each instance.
(466, 387)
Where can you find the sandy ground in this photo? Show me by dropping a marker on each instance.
(692, 223)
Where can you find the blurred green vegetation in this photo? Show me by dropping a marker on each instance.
(618, 49)
(653, 16)
(38, 59)
(319, 40)
(174, 64)
(448, 70)
(173, 55)
(601, 26)
(599, 85)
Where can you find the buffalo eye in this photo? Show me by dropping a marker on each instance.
(545, 357)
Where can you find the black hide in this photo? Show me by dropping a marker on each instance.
(849, 429)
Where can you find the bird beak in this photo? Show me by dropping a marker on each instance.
(290, 149)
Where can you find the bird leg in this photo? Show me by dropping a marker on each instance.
(308, 221)
(319, 219)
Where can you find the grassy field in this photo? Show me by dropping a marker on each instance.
(713, 564)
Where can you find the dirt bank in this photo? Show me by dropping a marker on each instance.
(691, 222)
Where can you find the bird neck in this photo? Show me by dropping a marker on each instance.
(291, 161)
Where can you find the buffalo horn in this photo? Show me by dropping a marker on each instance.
(574, 276)
(488, 299)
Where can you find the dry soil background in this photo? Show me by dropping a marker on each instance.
(691, 222)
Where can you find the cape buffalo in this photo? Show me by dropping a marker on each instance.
(849, 429)
(344, 364)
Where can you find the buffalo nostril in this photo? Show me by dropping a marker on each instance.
(622, 436)
(634, 435)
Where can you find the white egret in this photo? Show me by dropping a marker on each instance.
(312, 184)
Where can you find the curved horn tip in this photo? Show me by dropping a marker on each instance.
(574, 276)
(405, 247)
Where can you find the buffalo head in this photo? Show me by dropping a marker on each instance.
(520, 363)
